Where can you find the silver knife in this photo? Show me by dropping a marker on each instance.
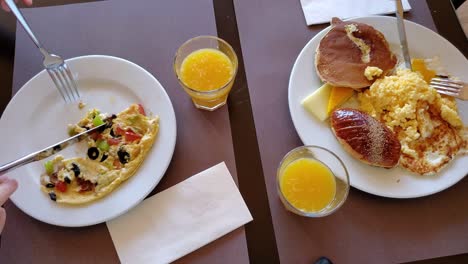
(402, 34)
(47, 152)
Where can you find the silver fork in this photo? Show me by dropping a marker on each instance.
(54, 64)
(444, 85)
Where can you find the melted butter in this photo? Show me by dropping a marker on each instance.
(365, 49)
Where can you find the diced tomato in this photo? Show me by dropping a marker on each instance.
(119, 131)
(61, 186)
(141, 109)
(113, 141)
(85, 185)
(117, 164)
(131, 136)
(95, 136)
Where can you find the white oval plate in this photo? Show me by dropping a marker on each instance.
(396, 182)
(37, 117)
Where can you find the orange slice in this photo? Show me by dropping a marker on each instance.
(338, 96)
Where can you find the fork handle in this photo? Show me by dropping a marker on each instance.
(11, 4)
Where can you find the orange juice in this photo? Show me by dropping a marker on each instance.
(308, 185)
(207, 70)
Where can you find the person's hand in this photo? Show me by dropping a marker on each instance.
(5, 7)
(7, 187)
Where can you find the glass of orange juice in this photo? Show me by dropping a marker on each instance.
(312, 181)
(206, 67)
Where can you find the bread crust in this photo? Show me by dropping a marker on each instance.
(365, 138)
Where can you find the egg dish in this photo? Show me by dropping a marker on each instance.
(114, 155)
(427, 124)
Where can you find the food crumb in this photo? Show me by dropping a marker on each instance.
(81, 105)
(398, 180)
(372, 72)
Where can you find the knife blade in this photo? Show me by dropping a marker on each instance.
(48, 151)
(402, 34)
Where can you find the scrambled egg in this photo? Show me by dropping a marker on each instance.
(371, 72)
(397, 100)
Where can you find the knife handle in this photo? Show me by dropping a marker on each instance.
(402, 34)
(17, 163)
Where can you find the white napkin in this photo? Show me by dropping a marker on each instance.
(322, 11)
(180, 219)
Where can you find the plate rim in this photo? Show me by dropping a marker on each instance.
(320, 34)
(165, 167)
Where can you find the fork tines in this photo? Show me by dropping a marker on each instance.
(63, 80)
(446, 85)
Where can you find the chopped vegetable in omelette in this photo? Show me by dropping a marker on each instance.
(114, 155)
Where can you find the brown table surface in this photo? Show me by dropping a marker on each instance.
(21, 242)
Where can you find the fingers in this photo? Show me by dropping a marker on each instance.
(4, 6)
(3, 178)
(7, 187)
(2, 218)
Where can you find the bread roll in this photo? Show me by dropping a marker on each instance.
(365, 138)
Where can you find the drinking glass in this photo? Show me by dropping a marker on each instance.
(214, 98)
(334, 164)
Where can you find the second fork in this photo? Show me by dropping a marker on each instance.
(54, 64)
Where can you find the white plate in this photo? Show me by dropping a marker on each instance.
(37, 117)
(396, 182)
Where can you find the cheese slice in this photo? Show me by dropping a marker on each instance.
(338, 96)
(317, 102)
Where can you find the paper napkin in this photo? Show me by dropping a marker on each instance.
(322, 11)
(180, 219)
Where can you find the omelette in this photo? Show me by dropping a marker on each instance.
(114, 155)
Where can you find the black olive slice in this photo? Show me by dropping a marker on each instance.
(112, 133)
(101, 129)
(76, 169)
(124, 157)
(93, 153)
(50, 185)
(104, 157)
(53, 196)
(67, 180)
